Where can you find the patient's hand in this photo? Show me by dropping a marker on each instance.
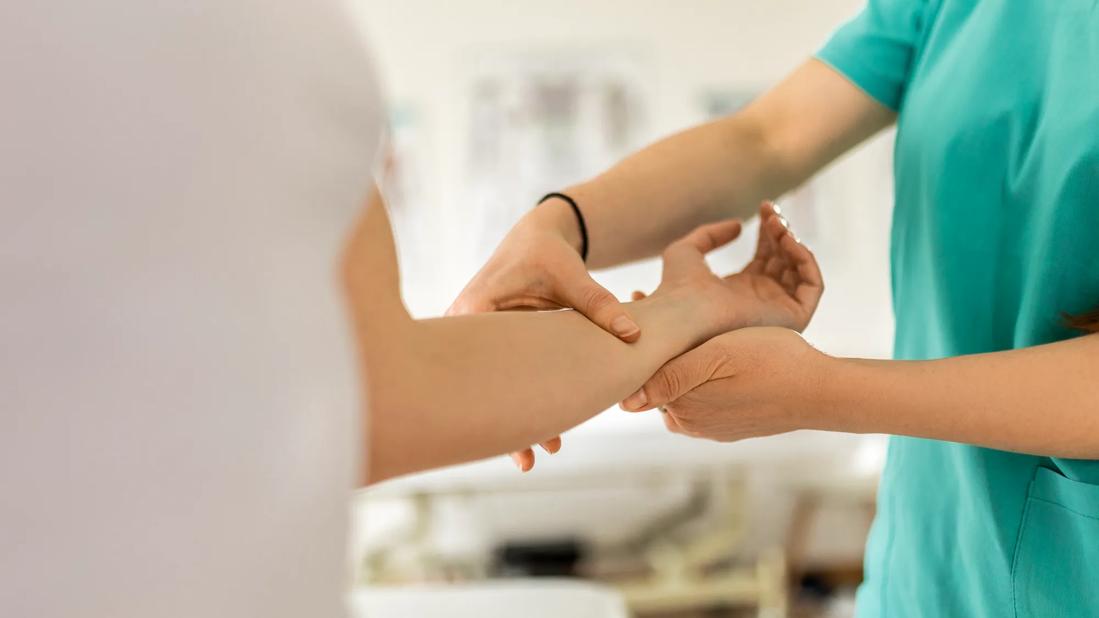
(781, 286)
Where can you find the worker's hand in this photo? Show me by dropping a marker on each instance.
(538, 266)
(743, 384)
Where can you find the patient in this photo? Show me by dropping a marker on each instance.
(180, 420)
(451, 390)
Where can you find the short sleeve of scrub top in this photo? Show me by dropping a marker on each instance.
(877, 48)
(995, 230)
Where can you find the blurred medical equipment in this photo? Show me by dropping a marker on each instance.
(529, 599)
(688, 545)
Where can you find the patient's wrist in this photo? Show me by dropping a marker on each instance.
(710, 312)
(684, 316)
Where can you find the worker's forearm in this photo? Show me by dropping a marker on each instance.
(721, 169)
(718, 170)
(1042, 400)
(544, 372)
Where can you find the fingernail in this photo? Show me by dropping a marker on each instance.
(623, 326)
(795, 237)
(636, 401)
(784, 222)
(774, 207)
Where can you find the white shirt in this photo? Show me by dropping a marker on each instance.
(178, 396)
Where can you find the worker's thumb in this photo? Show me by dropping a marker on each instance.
(601, 307)
(675, 379)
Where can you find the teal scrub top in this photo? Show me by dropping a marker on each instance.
(995, 234)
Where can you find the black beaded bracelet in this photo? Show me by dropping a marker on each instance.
(579, 219)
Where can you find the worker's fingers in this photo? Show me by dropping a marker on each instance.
(670, 423)
(524, 459)
(599, 306)
(677, 377)
(552, 445)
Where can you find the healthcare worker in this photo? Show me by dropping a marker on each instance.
(989, 503)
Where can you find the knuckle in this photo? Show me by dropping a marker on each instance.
(669, 383)
(714, 364)
(594, 298)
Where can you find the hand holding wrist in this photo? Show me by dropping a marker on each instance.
(747, 383)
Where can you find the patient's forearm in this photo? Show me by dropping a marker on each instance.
(455, 389)
(542, 372)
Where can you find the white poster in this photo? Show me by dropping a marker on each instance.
(540, 122)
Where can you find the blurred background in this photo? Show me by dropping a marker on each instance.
(493, 104)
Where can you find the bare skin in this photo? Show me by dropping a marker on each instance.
(715, 171)
(500, 381)
(761, 381)
(782, 276)
(633, 210)
(764, 381)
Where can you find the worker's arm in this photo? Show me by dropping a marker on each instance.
(455, 389)
(726, 167)
(717, 170)
(761, 381)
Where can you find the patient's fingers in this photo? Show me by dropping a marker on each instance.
(687, 255)
(708, 237)
(775, 228)
(789, 281)
(811, 284)
(765, 245)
